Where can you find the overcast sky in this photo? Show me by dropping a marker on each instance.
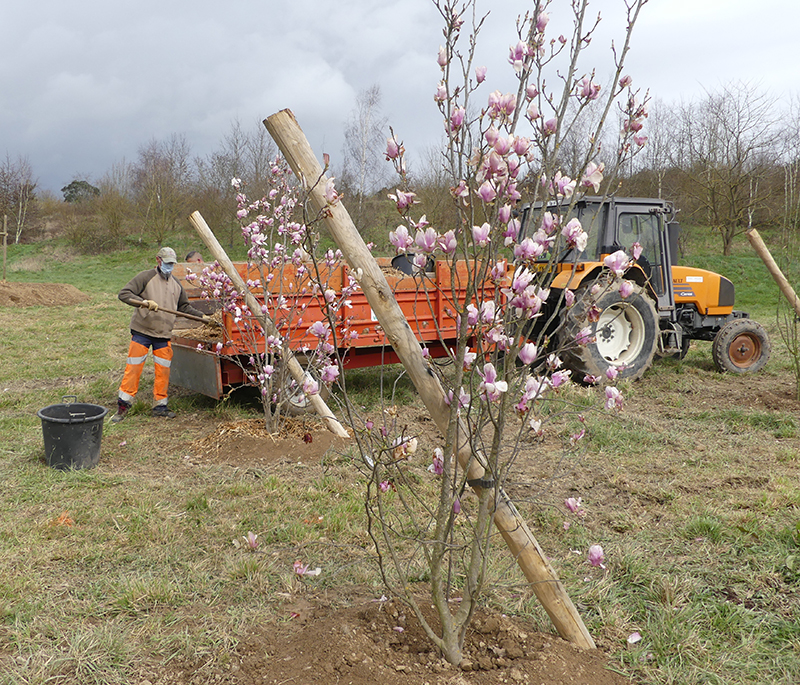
(84, 84)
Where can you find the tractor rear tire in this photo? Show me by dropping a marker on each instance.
(741, 346)
(624, 336)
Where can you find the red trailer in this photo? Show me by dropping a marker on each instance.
(425, 298)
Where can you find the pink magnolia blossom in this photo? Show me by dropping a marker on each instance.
(486, 192)
(521, 146)
(461, 190)
(614, 398)
(531, 91)
(420, 261)
(329, 373)
(528, 249)
(588, 89)
(251, 539)
(533, 112)
(319, 329)
(617, 262)
(527, 353)
(499, 270)
(596, 556)
(441, 92)
(472, 314)
(448, 243)
(584, 336)
(625, 289)
(504, 214)
(393, 148)
(456, 506)
(612, 372)
(437, 465)
(625, 81)
(541, 21)
(456, 119)
(487, 311)
(491, 389)
(640, 139)
(573, 504)
(427, 240)
(480, 234)
(310, 386)
(549, 223)
(501, 105)
(559, 378)
(593, 176)
(517, 54)
(550, 126)
(403, 200)
(491, 135)
(575, 235)
(569, 297)
(401, 239)
(480, 74)
(502, 146)
(302, 569)
(441, 58)
(331, 195)
(469, 357)
(564, 185)
(384, 485)
(636, 249)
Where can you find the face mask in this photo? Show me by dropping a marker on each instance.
(166, 269)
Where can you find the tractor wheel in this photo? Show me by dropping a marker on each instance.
(741, 346)
(625, 335)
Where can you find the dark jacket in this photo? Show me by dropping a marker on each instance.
(165, 292)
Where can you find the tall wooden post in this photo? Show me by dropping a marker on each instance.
(5, 244)
(545, 584)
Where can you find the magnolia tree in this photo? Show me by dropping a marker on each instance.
(298, 289)
(508, 378)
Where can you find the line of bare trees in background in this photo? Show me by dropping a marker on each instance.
(729, 160)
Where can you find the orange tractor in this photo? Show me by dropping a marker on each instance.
(670, 305)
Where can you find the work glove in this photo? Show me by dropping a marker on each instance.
(152, 306)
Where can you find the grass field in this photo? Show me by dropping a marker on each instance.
(108, 575)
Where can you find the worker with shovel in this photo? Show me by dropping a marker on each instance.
(158, 298)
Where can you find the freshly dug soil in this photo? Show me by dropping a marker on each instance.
(42, 294)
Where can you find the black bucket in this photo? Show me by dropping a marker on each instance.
(72, 434)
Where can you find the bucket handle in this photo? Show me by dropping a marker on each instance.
(65, 399)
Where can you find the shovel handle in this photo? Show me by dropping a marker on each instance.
(172, 311)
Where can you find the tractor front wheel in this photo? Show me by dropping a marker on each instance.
(623, 332)
(741, 346)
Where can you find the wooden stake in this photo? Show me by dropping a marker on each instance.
(5, 244)
(295, 368)
(545, 584)
(766, 256)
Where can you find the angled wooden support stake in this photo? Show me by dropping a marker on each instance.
(295, 368)
(545, 584)
(766, 256)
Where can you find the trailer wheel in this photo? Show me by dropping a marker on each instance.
(741, 346)
(297, 402)
(624, 334)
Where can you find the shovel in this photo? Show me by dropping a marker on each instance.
(185, 316)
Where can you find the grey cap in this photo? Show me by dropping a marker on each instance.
(167, 255)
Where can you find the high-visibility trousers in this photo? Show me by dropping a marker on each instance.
(137, 354)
